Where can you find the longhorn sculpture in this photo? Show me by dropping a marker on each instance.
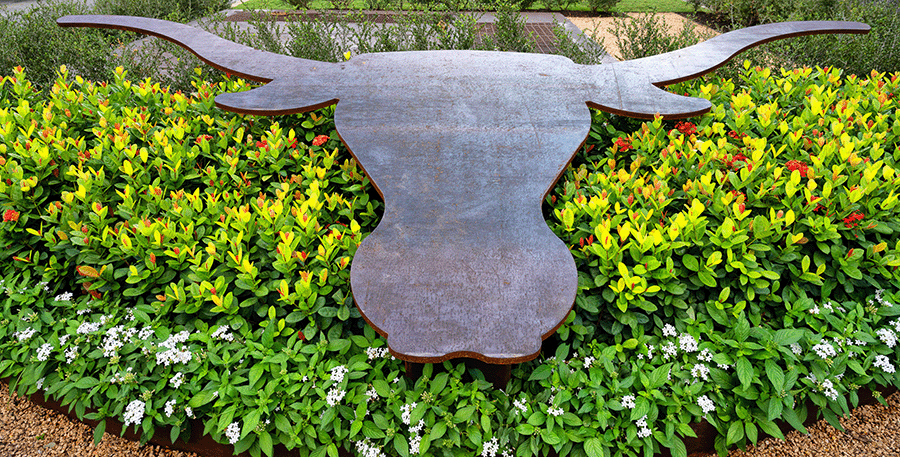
(463, 146)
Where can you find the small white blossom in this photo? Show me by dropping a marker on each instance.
(555, 411)
(588, 361)
(414, 442)
(490, 448)
(706, 404)
(829, 390)
(25, 335)
(233, 432)
(367, 449)
(643, 429)
(418, 428)
(669, 350)
(814, 310)
(71, 353)
(887, 336)
(700, 371)
(177, 380)
(628, 401)
(520, 406)
(134, 413)
(338, 372)
(377, 353)
(824, 350)
(67, 296)
(222, 333)
(406, 411)
(170, 407)
(884, 363)
(687, 343)
(87, 327)
(146, 332)
(371, 395)
(189, 411)
(335, 395)
(40, 383)
(705, 356)
(669, 330)
(796, 349)
(44, 351)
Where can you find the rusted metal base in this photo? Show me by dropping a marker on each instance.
(497, 375)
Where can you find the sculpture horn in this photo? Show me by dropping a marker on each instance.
(218, 52)
(637, 100)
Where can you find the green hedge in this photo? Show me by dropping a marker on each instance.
(163, 259)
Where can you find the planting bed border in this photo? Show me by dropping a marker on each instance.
(205, 446)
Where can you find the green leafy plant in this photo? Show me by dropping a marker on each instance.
(164, 261)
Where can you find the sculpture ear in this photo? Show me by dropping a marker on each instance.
(643, 100)
(282, 96)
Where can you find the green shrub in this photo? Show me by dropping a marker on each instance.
(163, 259)
(878, 50)
(647, 34)
(31, 39)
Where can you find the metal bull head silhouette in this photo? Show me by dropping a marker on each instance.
(463, 146)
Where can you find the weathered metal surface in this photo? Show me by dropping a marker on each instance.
(463, 146)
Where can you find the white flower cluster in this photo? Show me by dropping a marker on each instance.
(688, 343)
(111, 342)
(146, 332)
(134, 413)
(87, 327)
(367, 449)
(824, 350)
(555, 411)
(371, 395)
(829, 390)
(650, 350)
(796, 349)
(82, 312)
(335, 395)
(706, 404)
(222, 333)
(177, 380)
(44, 351)
(643, 429)
(406, 412)
(233, 432)
(67, 296)
(40, 383)
(490, 448)
(170, 407)
(173, 354)
(700, 371)
(24, 335)
(377, 353)
(520, 405)
(814, 310)
(705, 356)
(669, 350)
(881, 361)
(588, 361)
(887, 336)
(338, 372)
(669, 330)
(189, 411)
(628, 401)
(71, 353)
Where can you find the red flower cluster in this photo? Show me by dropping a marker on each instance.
(10, 215)
(737, 158)
(797, 165)
(736, 135)
(319, 140)
(623, 144)
(851, 221)
(686, 128)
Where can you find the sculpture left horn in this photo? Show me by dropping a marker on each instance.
(218, 52)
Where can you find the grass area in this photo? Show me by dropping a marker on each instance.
(662, 6)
